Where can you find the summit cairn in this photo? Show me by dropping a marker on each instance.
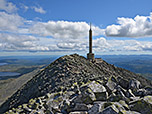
(90, 55)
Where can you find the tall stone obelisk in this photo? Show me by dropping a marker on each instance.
(90, 55)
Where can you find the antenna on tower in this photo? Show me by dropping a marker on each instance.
(90, 26)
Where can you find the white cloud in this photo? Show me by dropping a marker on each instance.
(11, 42)
(39, 9)
(64, 29)
(68, 35)
(138, 46)
(103, 45)
(140, 26)
(7, 6)
(67, 46)
(16, 41)
(10, 21)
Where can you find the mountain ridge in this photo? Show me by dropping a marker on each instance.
(64, 72)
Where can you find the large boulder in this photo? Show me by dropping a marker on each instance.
(87, 97)
(95, 88)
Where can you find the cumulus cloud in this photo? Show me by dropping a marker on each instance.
(7, 6)
(64, 29)
(39, 9)
(140, 26)
(16, 42)
(10, 21)
(137, 46)
(104, 45)
(100, 42)
(67, 46)
(13, 42)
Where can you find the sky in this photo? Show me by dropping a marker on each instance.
(42, 27)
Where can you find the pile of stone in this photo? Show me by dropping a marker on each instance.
(111, 96)
(73, 84)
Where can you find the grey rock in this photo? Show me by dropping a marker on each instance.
(96, 108)
(148, 99)
(96, 87)
(124, 83)
(142, 106)
(130, 112)
(115, 98)
(141, 92)
(124, 104)
(79, 112)
(109, 110)
(80, 107)
(148, 90)
(101, 96)
(111, 84)
(86, 98)
(134, 84)
(129, 93)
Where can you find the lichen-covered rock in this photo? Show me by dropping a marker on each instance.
(96, 108)
(141, 106)
(124, 104)
(148, 99)
(129, 112)
(88, 101)
(111, 84)
(84, 98)
(96, 87)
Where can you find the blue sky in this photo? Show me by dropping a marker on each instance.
(61, 26)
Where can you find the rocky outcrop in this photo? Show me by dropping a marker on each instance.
(72, 84)
(91, 97)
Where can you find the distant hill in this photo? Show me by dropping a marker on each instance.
(73, 84)
(135, 63)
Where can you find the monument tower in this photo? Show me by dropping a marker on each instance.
(90, 55)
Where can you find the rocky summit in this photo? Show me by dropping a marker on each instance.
(74, 85)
